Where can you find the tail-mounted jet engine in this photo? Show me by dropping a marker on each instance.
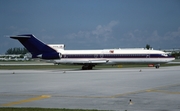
(54, 55)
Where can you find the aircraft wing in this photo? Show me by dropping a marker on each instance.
(81, 61)
(98, 61)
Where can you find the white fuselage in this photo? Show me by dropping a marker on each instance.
(113, 56)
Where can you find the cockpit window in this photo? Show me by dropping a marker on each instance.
(165, 54)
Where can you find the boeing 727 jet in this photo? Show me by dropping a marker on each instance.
(89, 58)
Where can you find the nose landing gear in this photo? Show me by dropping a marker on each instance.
(157, 66)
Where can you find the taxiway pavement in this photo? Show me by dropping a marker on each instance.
(149, 89)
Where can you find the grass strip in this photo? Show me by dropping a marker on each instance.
(13, 67)
(45, 109)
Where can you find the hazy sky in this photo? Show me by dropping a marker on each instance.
(92, 24)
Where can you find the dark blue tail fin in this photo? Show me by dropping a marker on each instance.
(37, 48)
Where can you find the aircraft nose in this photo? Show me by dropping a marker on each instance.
(173, 58)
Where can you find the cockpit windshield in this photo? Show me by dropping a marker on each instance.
(165, 54)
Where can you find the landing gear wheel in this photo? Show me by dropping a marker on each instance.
(83, 68)
(90, 67)
(87, 67)
(157, 66)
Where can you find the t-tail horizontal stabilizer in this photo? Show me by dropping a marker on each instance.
(37, 48)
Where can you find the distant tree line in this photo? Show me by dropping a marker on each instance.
(17, 50)
(176, 55)
(148, 47)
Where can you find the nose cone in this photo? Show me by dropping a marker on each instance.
(171, 59)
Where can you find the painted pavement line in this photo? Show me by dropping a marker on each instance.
(27, 100)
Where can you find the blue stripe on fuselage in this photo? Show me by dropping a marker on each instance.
(114, 56)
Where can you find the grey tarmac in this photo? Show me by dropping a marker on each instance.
(131, 89)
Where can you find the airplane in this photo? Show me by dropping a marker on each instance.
(89, 58)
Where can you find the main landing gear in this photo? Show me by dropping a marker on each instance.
(87, 67)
